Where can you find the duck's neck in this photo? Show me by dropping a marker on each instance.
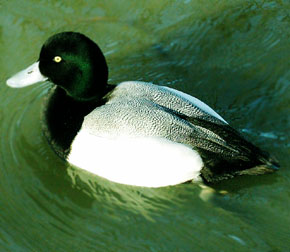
(63, 117)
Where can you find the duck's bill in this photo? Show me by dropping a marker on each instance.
(26, 77)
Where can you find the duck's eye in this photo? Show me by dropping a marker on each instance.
(57, 59)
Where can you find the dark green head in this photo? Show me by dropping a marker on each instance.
(74, 62)
(71, 61)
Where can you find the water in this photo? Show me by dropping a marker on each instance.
(234, 55)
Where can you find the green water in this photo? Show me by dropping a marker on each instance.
(234, 55)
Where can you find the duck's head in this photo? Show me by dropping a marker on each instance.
(71, 61)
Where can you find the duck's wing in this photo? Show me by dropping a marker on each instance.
(169, 98)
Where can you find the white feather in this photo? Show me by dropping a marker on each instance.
(149, 162)
(197, 103)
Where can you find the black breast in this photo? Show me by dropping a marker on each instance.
(62, 119)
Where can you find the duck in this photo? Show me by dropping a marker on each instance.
(134, 133)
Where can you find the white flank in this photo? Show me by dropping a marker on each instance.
(197, 103)
(148, 162)
(26, 77)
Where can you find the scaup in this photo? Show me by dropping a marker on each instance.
(134, 133)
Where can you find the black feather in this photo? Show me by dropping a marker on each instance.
(230, 157)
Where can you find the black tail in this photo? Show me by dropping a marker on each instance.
(229, 154)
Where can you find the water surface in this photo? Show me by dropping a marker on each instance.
(234, 55)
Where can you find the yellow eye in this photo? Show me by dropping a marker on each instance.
(57, 59)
